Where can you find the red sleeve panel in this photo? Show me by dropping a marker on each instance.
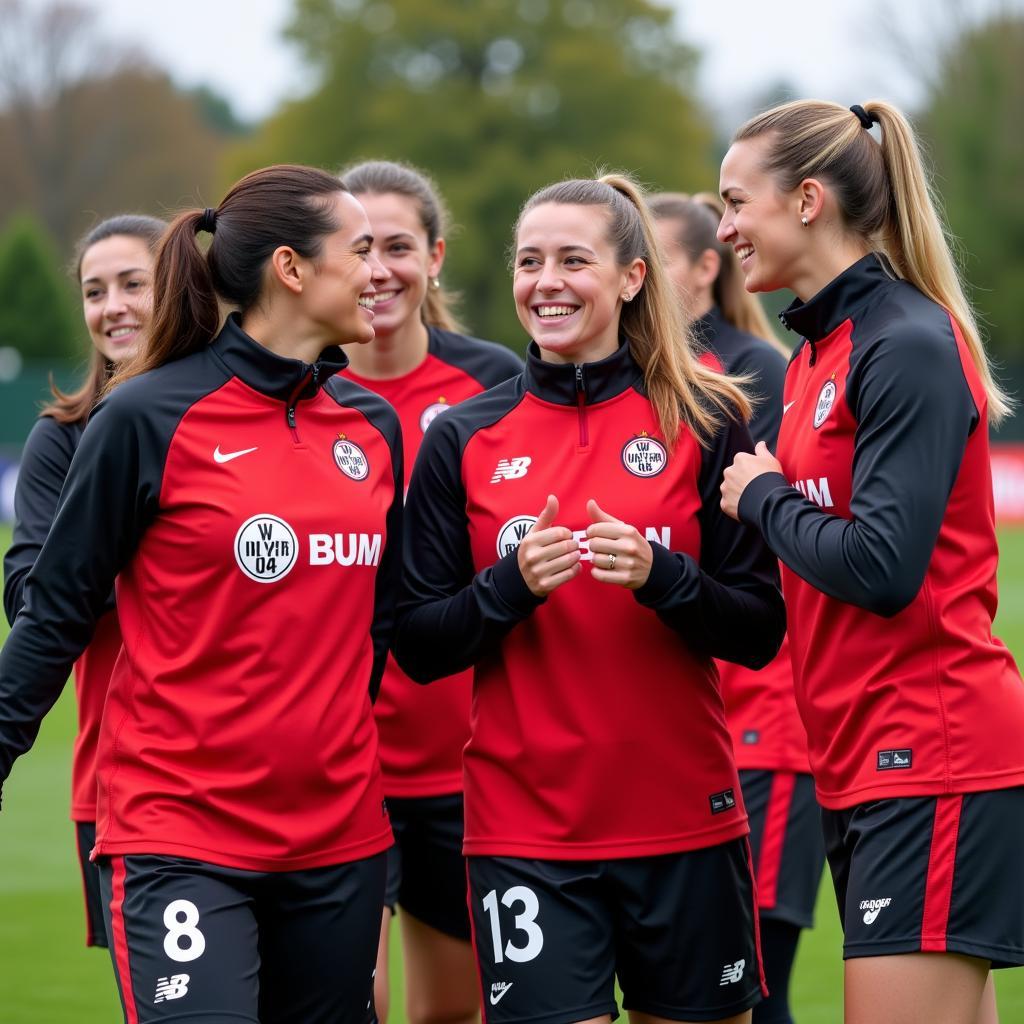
(423, 730)
(884, 522)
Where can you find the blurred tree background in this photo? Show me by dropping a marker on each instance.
(494, 98)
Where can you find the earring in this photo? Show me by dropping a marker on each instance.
(627, 297)
(803, 220)
(435, 284)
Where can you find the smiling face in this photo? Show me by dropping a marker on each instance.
(117, 294)
(568, 286)
(400, 243)
(761, 222)
(338, 295)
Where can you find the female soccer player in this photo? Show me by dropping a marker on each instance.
(115, 273)
(423, 366)
(245, 499)
(767, 736)
(604, 826)
(880, 508)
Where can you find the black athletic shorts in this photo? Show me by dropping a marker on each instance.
(95, 929)
(195, 941)
(785, 839)
(678, 930)
(931, 874)
(426, 869)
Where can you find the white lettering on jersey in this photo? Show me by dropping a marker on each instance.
(816, 491)
(511, 469)
(345, 548)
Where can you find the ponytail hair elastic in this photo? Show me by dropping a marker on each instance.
(866, 119)
(207, 222)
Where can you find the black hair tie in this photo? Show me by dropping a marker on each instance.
(208, 221)
(866, 119)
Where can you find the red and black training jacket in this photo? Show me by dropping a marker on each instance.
(760, 706)
(598, 727)
(885, 526)
(249, 507)
(424, 729)
(45, 460)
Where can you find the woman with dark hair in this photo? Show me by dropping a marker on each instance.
(604, 828)
(114, 268)
(767, 735)
(423, 365)
(248, 502)
(879, 506)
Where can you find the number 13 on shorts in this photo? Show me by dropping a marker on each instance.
(525, 922)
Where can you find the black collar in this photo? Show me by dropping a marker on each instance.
(271, 374)
(563, 382)
(839, 299)
(707, 328)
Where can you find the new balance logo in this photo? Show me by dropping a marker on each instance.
(173, 987)
(511, 469)
(872, 908)
(731, 973)
(498, 991)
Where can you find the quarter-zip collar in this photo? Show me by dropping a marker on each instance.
(563, 383)
(840, 299)
(275, 376)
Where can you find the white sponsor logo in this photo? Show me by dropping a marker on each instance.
(351, 459)
(511, 469)
(173, 987)
(872, 908)
(266, 548)
(816, 491)
(431, 413)
(222, 457)
(655, 534)
(644, 456)
(826, 399)
(498, 991)
(731, 973)
(511, 535)
(345, 548)
(788, 406)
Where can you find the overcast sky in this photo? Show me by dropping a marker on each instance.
(828, 48)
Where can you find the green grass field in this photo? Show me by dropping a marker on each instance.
(47, 975)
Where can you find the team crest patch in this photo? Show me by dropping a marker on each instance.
(432, 412)
(266, 548)
(826, 399)
(350, 459)
(511, 535)
(644, 455)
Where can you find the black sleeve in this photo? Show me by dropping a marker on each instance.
(389, 572)
(44, 465)
(914, 412)
(769, 368)
(109, 496)
(449, 616)
(728, 606)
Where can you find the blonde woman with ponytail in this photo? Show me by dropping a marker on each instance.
(879, 505)
(564, 537)
(767, 735)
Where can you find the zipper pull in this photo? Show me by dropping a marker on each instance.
(316, 375)
(291, 416)
(579, 379)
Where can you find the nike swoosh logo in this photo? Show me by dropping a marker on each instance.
(788, 406)
(501, 995)
(222, 457)
(869, 917)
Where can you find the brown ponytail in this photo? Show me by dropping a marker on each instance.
(678, 384)
(884, 196)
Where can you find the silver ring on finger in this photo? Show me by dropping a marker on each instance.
(611, 562)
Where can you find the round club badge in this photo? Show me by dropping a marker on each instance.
(351, 459)
(266, 548)
(511, 535)
(826, 399)
(431, 413)
(644, 456)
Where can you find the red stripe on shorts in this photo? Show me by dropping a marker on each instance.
(476, 954)
(119, 939)
(776, 817)
(757, 920)
(938, 890)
